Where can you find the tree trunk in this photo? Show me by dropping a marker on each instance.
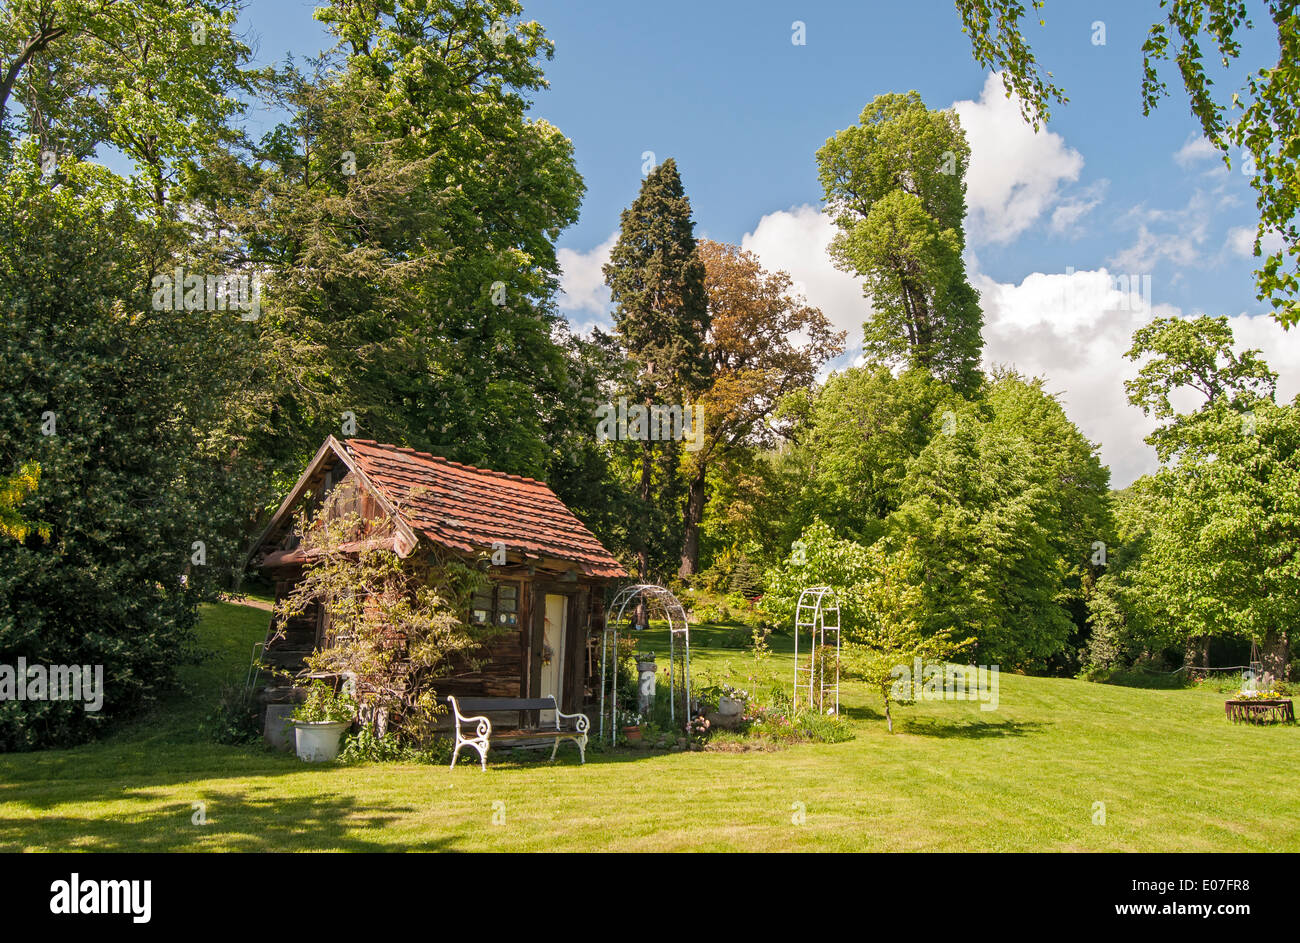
(889, 718)
(1277, 653)
(1198, 650)
(643, 551)
(694, 515)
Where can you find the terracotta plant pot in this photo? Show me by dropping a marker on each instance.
(633, 734)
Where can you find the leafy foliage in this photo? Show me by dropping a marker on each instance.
(755, 318)
(13, 490)
(1194, 354)
(1005, 511)
(1260, 117)
(126, 486)
(895, 185)
(325, 705)
(881, 600)
(1213, 538)
(392, 624)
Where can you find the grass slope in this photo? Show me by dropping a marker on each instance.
(1173, 773)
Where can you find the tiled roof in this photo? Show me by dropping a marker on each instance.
(470, 509)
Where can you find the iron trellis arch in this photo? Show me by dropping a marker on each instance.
(818, 606)
(659, 600)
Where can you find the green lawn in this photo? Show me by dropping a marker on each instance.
(1173, 773)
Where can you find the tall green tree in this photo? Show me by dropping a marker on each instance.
(1006, 507)
(97, 387)
(1260, 117)
(1000, 500)
(656, 280)
(404, 217)
(114, 397)
(895, 185)
(864, 427)
(159, 81)
(1217, 529)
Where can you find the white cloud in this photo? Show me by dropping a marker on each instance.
(1241, 242)
(795, 241)
(1177, 236)
(1015, 173)
(1149, 248)
(1196, 148)
(1074, 329)
(582, 284)
(1065, 216)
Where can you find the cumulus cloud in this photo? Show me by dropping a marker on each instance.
(1178, 236)
(1073, 329)
(1151, 247)
(795, 241)
(582, 284)
(1015, 174)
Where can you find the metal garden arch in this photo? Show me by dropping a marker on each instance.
(662, 602)
(816, 615)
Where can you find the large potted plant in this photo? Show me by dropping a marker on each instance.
(319, 722)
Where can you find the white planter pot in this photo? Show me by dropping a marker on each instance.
(730, 705)
(318, 742)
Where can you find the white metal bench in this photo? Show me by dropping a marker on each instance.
(481, 733)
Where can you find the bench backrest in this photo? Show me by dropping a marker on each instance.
(479, 704)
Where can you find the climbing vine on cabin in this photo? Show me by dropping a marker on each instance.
(392, 624)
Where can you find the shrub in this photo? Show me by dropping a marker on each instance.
(394, 623)
(235, 719)
(324, 705)
(103, 394)
(365, 747)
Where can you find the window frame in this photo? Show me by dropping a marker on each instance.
(495, 610)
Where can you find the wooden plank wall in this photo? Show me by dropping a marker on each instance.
(501, 674)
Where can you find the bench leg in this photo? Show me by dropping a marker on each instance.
(555, 748)
(582, 748)
(482, 752)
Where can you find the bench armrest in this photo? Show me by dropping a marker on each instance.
(581, 722)
(484, 726)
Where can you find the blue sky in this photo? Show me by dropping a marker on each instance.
(1054, 217)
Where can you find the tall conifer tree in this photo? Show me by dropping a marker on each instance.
(656, 279)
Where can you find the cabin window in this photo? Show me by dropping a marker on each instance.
(496, 604)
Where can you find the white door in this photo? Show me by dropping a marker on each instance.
(553, 653)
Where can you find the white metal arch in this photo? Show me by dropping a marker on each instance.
(662, 602)
(816, 615)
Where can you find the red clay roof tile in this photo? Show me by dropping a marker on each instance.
(470, 509)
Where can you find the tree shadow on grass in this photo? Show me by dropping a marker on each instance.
(520, 760)
(970, 730)
(861, 713)
(48, 779)
(934, 727)
(238, 821)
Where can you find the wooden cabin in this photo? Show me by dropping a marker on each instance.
(547, 596)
